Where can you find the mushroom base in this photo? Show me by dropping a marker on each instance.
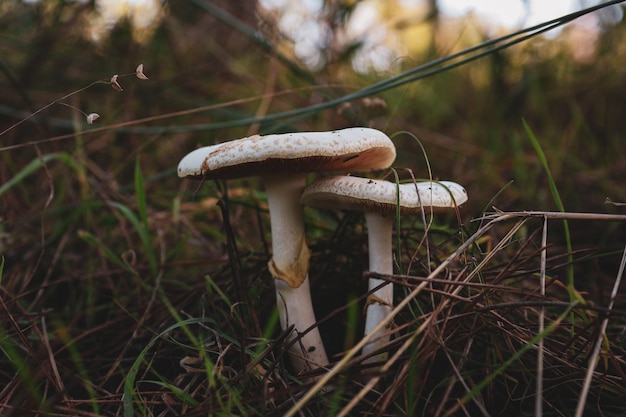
(295, 309)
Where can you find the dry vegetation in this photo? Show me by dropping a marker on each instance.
(126, 291)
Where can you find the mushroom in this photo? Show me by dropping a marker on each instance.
(282, 161)
(378, 200)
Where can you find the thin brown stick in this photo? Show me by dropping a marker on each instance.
(351, 353)
(51, 359)
(542, 290)
(158, 117)
(407, 344)
(601, 334)
(501, 215)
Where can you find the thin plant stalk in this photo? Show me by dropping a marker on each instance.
(542, 290)
(559, 203)
(332, 372)
(593, 360)
(426, 323)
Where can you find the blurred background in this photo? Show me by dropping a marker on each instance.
(284, 55)
(223, 70)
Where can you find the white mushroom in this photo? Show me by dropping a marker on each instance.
(378, 200)
(282, 161)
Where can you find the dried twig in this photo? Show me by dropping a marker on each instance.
(596, 351)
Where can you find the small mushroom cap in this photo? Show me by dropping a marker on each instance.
(347, 150)
(380, 196)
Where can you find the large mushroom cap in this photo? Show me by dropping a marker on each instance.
(347, 150)
(363, 194)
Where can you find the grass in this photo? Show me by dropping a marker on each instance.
(126, 291)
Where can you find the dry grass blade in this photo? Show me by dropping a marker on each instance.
(580, 408)
(461, 379)
(408, 343)
(542, 289)
(324, 380)
(502, 215)
(515, 333)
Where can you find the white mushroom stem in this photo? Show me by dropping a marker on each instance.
(379, 201)
(289, 265)
(380, 302)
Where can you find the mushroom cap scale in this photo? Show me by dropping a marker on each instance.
(347, 150)
(380, 196)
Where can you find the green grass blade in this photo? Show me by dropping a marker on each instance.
(33, 166)
(212, 375)
(559, 203)
(144, 235)
(182, 395)
(495, 197)
(529, 345)
(545, 165)
(108, 253)
(428, 69)
(398, 219)
(140, 192)
(13, 352)
(131, 377)
(80, 363)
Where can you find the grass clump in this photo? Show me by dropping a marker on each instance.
(126, 291)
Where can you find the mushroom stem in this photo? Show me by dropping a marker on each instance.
(289, 266)
(379, 200)
(379, 303)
